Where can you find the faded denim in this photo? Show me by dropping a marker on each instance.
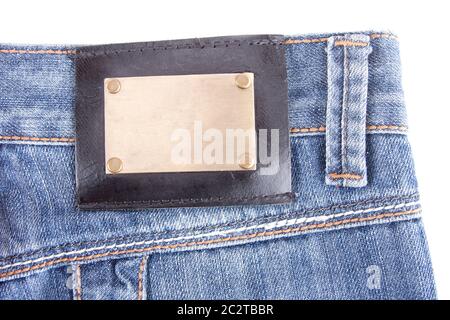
(342, 238)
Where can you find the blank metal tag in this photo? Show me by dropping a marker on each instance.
(180, 123)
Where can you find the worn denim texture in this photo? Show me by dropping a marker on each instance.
(340, 239)
(348, 74)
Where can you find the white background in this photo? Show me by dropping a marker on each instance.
(423, 29)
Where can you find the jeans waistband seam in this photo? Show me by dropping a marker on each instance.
(263, 234)
(286, 42)
(378, 128)
(235, 224)
(372, 36)
(272, 227)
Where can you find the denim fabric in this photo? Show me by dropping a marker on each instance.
(332, 242)
(346, 110)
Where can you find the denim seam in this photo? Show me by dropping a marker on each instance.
(344, 125)
(77, 282)
(385, 215)
(292, 130)
(349, 43)
(50, 51)
(306, 130)
(141, 270)
(44, 139)
(266, 226)
(369, 128)
(351, 176)
(387, 127)
(296, 220)
(306, 213)
(322, 40)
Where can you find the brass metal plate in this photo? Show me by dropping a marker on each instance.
(150, 122)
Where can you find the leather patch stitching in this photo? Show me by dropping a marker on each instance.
(204, 45)
(289, 195)
(287, 42)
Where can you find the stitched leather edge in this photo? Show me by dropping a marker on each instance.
(286, 42)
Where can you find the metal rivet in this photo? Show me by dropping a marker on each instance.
(247, 162)
(243, 81)
(115, 165)
(113, 86)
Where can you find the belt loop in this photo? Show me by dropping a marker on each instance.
(346, 110)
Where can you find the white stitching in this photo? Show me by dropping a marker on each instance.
(373, 131)
(265, 226)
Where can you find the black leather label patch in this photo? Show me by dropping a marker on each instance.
(261, 55)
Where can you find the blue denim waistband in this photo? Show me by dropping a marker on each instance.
(42, 227)
(37, 88)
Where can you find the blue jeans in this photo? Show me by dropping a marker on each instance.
(354, 230)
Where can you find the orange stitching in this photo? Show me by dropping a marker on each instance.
(387, 127)
(370, 127)
(347, 43)
(318, 129)
(78, 284)
(208, 242)
(61, 52)
(37, 139)
(299, 41)
(351, 176)
(140, 277)
(318, 40)
(292, 130)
